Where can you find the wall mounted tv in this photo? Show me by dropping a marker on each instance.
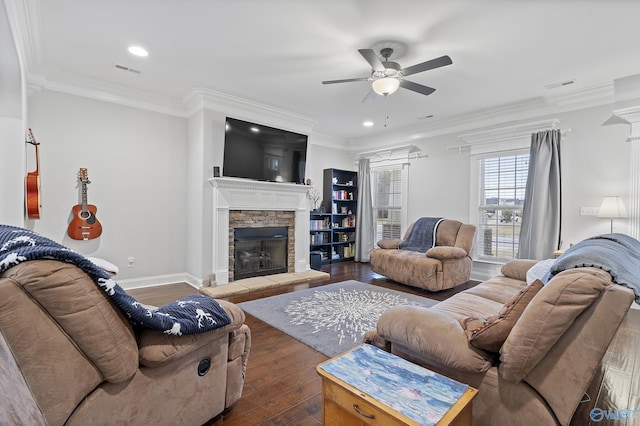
(260, 152)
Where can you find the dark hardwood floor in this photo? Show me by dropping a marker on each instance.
(282, 387)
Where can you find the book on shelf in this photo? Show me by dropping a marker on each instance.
(319, 224)
(348, 250)
(320, 238)
(342, 195)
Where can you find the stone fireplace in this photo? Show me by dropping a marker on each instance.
(265, 225)
(244, 203)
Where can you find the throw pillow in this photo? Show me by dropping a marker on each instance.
(491, 332)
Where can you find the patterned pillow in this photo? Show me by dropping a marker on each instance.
(491, 332)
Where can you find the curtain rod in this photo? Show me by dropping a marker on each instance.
(400, 159)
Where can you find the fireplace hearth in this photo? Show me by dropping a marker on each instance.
(260, 251)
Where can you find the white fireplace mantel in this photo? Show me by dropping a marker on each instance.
(245, 194)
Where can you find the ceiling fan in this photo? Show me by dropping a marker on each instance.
(387, 76)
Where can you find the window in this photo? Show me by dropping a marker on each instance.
(388, 201)
(503, 182)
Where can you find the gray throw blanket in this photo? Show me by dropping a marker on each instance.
(189, 315)
(423, 235)
(617, 254)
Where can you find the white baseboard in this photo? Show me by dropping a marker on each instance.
(160, 280)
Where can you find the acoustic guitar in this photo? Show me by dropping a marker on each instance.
(85, 224)
(32, 184)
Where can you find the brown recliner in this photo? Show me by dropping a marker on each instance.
(85, 364)
(444, 266)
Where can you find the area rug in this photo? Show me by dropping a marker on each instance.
(332, 318)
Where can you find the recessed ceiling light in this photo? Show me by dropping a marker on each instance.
(367, 123)
(255, 129)
(138, 51)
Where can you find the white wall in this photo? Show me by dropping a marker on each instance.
(320, 157)
(12, 136)
(136, 162)
(595, 162)
(439, 181)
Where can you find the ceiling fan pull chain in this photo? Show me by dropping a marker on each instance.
(386, 105)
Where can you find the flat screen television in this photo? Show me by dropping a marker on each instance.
(254, 151)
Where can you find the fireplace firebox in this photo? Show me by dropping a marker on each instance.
(260, 251)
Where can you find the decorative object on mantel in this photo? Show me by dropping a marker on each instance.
(612, 208)
(314, 197)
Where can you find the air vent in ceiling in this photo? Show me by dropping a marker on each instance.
(126, 68)
(561, 84)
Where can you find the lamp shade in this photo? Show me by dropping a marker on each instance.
(612, 208)
(385, 86)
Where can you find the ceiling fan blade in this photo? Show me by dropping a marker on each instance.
(425, 90)
(372, 58)
(347, 80)
(370, 96)
(428, 65)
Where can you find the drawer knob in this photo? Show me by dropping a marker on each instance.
(369, 416)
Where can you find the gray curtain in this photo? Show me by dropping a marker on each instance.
(540, 230)
(364, 214)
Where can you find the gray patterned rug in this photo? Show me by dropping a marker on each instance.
(331, 318)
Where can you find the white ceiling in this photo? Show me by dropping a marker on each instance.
(277, 52)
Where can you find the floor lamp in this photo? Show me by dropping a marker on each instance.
(612, 208)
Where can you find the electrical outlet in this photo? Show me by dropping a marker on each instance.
(589, 211)
(131, 262)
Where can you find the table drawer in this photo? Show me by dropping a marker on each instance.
(361, 407)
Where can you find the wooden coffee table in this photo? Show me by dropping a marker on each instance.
(368, 386)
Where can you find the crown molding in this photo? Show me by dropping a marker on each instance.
(502, 134)
(582, 98)
(80, 85)
(627, 88)
(631, 116)
(21, 16)
(202, 98)
(327, 141)
(528, 109)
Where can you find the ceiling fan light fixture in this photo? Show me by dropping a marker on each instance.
(385, 86)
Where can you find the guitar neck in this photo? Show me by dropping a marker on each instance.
(32, 141)
(37, 170)
(85, 204)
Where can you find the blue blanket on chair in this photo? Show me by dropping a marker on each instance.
(189, 315)
(423, 234)
(617, 254)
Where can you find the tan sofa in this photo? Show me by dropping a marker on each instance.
(548, 359)
(69, 357)
(444, 266)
